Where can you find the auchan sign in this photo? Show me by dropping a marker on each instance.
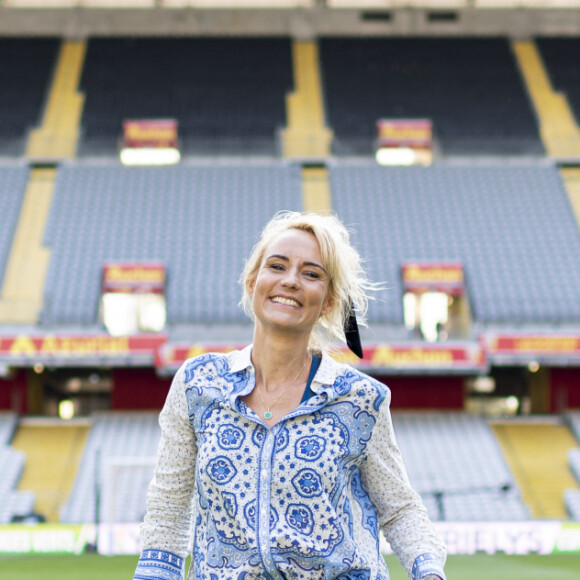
(27, 349)
(418, 357)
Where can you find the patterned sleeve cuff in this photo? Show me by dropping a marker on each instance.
(427, 564)
(159, 565)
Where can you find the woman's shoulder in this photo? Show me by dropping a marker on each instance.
(351, 377)
(367, 379)
(207, 364)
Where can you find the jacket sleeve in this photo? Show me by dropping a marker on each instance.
(401, 514)
(165, 532)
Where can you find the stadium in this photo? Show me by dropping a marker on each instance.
(143, 146)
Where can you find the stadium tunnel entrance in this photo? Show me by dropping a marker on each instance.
(42, 390)
(68, 392)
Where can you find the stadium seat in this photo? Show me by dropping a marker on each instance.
(572, 501)
(491, 217)
(456, 464)
(133, 437)
(13, 178)
(227, 94)
(559, 55)
(469, 87)
(106, 212)
(27, 64)
(8, 421)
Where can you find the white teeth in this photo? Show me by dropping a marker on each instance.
(286, 301)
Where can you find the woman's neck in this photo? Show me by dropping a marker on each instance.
(274, 358)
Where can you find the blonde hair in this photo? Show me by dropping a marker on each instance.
(348, 284)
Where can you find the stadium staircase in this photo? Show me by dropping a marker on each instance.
(306, 134)
(316, 189)
(57, 138)
(537, 452)
(53, 450)
(558, 129)
(21, 298)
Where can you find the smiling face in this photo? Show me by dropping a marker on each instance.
(290, 290)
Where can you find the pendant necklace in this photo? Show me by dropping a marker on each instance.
(268, 413)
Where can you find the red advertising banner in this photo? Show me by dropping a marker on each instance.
(421, 277)
(418, 357)
(152, 133)
(134, 277)
(27, 349)
(551, 344)
(412, 133)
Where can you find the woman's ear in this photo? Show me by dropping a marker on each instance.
(250, 286)
(327, 306)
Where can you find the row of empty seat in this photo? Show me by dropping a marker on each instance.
(132, 437)
(573, 419)
(8, 422)
(572, 496)
(572, 501)
(199, 220)
(25, 73)
(469, 87)
(453, 460)
(456, 464)
(229, 93)
(559, 55)
(13, 503)
(13, 179)
(510, 225)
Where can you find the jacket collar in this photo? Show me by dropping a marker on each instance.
(240, 361)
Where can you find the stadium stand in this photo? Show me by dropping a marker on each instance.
(444, 454)
(8, 421)
(572, 500)
(510, 224)
(491, 217)
(228, 94)
(573, 419)
(537, 452)
(13, 178)
(57, 136)
(123, 435)
(574, 459)
(107, 212)
(12, 502)
(52, 450)
(27, 64)
(559, 131)
(469, 87)
(559, 54)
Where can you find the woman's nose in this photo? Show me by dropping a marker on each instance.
(291, 279)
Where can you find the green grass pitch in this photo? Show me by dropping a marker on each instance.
(477, 567)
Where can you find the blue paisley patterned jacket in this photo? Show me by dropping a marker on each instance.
(303, 500)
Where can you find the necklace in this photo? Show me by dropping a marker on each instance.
(268, 413)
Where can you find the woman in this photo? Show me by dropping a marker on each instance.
(286, 459)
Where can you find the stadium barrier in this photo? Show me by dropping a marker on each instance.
(511, 538)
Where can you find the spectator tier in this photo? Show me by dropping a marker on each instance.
(227, 94)
(469, 87)
(26, 66)
(199, 220)
(511, 226)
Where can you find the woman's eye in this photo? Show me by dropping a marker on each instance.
(313, 275)
(276, 266)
